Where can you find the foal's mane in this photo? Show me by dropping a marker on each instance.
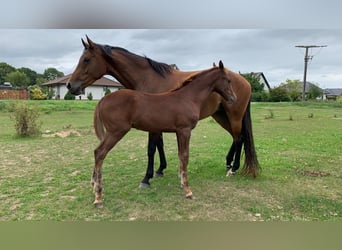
(193, 77)
(161, 68)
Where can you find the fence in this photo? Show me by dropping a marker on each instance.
(14, 94)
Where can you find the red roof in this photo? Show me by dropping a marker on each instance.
(104, 81)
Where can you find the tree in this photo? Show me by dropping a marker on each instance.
(17, 78)
(5, 69)
(258, 92)
(294, 89)
(40, 80)
(256, 85)
(32, 75)
(279, 94)
(314, 92)
(52, 74)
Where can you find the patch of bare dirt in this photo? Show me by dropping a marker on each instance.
(62, 134)
(313, 173)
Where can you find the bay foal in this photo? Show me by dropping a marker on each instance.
(176, 111)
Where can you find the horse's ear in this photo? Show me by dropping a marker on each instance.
(214, 64)
(221, 65)
(90, 42)
(86, 46)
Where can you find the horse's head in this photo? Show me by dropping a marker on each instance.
(91, 66)
(223, 85)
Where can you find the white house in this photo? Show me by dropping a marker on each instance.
(97, 89)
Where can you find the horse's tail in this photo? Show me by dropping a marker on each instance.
(251, 165)
(98, 125)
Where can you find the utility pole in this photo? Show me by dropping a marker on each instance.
(307, 57)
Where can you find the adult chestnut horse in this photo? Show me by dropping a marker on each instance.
(176, 111)
(144, 74)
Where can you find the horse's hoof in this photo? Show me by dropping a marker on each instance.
(144, 185)
(188, 195)
(230, 173)
(159, 175)
(98, 205)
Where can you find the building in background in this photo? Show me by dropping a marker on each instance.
(97, 89)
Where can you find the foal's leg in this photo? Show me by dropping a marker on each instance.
(183, 138)
(100, 153)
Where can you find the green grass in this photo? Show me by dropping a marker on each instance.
(48, 178)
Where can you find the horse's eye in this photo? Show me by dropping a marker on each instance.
(86, 60)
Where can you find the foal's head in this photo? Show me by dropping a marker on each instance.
(223, 83)
(91, 66)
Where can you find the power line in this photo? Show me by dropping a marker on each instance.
(307, 57)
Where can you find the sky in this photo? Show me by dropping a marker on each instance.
(271, 51)
(248, 35)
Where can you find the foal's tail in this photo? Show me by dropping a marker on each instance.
(98, 125)
(251, 165)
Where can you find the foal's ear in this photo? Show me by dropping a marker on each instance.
(221, 65)
(86, 46)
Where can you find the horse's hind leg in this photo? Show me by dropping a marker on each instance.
(235, 150)
(99, 154)
(230, 157)
(151, 150)
(234, 153)
(155, 140)
(162, 158)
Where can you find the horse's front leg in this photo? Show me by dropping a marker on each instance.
(183, 139)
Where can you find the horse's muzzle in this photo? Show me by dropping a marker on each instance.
(74, 90)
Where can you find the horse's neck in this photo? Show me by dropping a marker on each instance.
(198, 90)
(132, 71)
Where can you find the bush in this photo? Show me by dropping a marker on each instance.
(260, 97)
(26, 120)
(69, 96)
(339, 98)
(107, 91)
(37, 94)
(90, 96)
(279, 95)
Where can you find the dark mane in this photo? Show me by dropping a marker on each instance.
(161, 68)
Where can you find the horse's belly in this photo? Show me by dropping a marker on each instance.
(153, 125)
(164, 125)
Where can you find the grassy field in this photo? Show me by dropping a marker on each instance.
(298, 145)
